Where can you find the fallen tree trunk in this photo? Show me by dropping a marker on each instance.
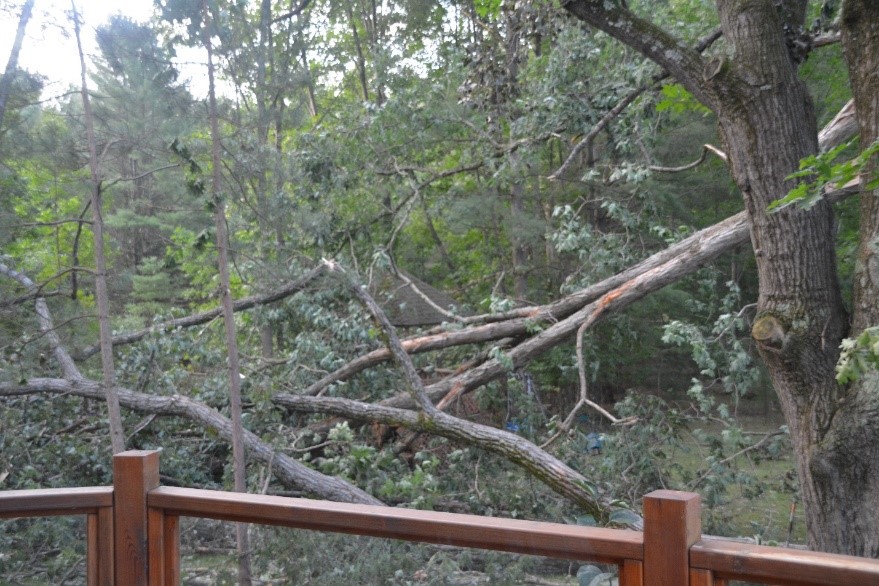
(664, 267)
(645, 278)
(651, 274)
(288, 470)
(554, 473)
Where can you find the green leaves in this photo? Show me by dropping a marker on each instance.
(858, 356)
(676, 99)
(487, 9)
(818, 171)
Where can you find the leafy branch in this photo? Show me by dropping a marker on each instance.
(818, 171)
(858, 356)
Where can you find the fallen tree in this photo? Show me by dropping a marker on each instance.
(559, 321)
(289, 470)
(543, 466)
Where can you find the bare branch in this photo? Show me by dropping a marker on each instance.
(68, 367)
(203, 317)
(838, 130)
(413, 381)
(756, 446)
(46, 224)
(825, 39)
(670, 53)
(705, 150)
(293, 13)
(424, 297)
(587, 141)
(142, 175)
(611, 115)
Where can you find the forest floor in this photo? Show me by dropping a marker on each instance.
(757, 500)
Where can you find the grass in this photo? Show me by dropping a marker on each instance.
(760, 490)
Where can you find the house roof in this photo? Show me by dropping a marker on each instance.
(404, 306)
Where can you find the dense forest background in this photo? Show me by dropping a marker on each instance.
(481, 168)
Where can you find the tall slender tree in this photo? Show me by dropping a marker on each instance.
(239, 459)
(12, 63)
(117, 434)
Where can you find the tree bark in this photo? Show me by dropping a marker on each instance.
(543, 466)
(767, 122)
(844, 460)
(117, 434)
(239, 459)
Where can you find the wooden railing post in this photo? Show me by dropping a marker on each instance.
(135, 473)
(164, 548)
(672, 523)
(99, 547)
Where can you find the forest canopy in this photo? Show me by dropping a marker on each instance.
(524, 258)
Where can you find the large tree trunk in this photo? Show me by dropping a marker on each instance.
(768, 124)
(845, 462)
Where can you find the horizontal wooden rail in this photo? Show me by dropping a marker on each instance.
(95, 502)
(777, 565)
(526, 537)
(54, 501)
(133, 533)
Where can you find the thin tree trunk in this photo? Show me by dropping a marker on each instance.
(266, 331)
(309, 83)
(238, 455)
(361, 60)
(12, 63)
(117, 434)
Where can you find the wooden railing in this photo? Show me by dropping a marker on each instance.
(133, 533)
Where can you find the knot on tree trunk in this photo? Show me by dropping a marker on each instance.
(769, 332)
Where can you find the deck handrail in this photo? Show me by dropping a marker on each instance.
(554, 540)
(46, 502)
(133, 533)
(779, 565)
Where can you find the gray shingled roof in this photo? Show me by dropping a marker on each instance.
(404, 307)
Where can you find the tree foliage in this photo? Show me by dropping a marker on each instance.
(575, 195)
